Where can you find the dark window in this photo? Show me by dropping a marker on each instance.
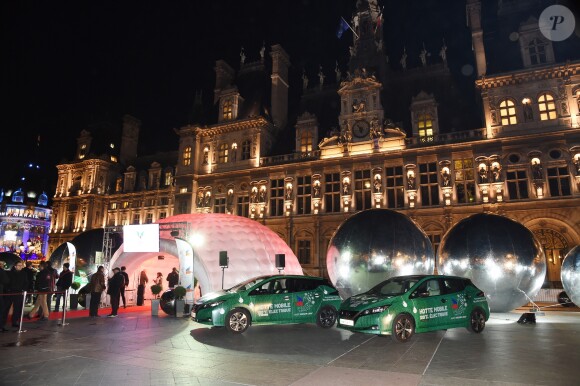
(219, 205)
(332, 192)
(243, 206)
(514, 158)
(555, 154)
(277, 197)
(303, 195)
(394, 187)
(362, 189)
(246, 149)
(304, 252)
(559, 181)
(517, 184)
(429, 184)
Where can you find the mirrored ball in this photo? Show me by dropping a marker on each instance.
(501, 256)
(374, 245)
(570, 274)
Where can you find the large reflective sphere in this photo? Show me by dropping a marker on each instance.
(570, 274)
(374, 245)
(501, 256)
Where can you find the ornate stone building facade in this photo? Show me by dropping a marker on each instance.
(396, 137)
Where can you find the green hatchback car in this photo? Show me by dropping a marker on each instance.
(404, 305)
(273, 299)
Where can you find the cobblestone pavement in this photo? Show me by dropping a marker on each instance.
(139, 349)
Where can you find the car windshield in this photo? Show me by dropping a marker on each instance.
(247, 284)
(394, 286)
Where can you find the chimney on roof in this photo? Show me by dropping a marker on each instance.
(129, 139)
(280, 64)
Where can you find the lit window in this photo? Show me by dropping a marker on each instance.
(425, 127)
(228, 110)
(168, 178)
(547, 107)
(223, 153)
(306, 142)
(537, 50)
(507, 111)
(187, 156)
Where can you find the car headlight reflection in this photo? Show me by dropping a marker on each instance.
(375, 310)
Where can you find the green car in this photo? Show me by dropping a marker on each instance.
(404, 305)
(273, 299)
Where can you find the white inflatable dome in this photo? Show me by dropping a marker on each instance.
(251, 249)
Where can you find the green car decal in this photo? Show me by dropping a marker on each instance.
(404, 305)
(273, 299)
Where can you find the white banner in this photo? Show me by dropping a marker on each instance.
(72, 256)
(185, 252)
(141, 238)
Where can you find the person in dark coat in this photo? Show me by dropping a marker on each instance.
(44, 280)
(30, 273)
(62, 284)
(173, 278)
(126, 276)
(52, 286)
(18, 284)
(4, 280)
(96, 287)
(116, 282)
(143, 279)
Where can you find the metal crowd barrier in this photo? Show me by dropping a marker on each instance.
(62, 322)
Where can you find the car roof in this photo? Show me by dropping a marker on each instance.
(431, 276)
(292, 276)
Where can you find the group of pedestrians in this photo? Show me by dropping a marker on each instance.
(12, 285)
(23, 277)
(115, 288)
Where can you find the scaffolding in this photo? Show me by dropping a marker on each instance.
(173, 229)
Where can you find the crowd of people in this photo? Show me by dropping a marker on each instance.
(42, 283)
(39, 283)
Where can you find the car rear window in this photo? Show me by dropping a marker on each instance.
(453, 285)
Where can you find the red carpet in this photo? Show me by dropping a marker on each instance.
(84, 313)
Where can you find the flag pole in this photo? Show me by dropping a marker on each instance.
(355, 34)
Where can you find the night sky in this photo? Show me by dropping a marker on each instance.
(69, 64)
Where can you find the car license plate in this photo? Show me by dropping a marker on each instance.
(347, 322)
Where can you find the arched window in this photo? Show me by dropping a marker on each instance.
(547, 107)
(537, 51)
(246, 149)
(306, 142)
(223, 153)
(507, 112)
(425, 127)
(187, 156)
(227, 112)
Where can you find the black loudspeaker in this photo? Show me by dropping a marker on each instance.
(280, 260)
(223, 258)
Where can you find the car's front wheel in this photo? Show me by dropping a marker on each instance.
(237, 320)
(326, 317)
(476, 321)
(403, 328)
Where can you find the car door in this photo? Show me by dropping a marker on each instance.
(271, 303)
(430, 303)
(454, 289)
(306, 300)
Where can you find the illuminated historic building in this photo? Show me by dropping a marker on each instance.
(382, 134)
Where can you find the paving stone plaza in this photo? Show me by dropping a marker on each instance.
(139, 349)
